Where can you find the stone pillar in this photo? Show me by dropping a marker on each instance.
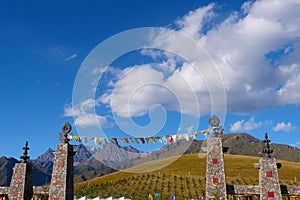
(215, 173)
(21, 182)
(62, 181)
(268, 179)
(268, 174)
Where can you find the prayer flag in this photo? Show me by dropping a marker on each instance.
(179, 137)
(126, 140)
(153, 140)
(84, 139)
(116, 141)
(99, 140)
(147, 140)
(131, 140)
(142, 140)
(205, 132)
(75, 138)
(137, 140)
(170, 139)
(174, 138)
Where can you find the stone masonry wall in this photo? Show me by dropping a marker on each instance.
(21, 182)
(245, 189)
(293, 190)
(215, 173)
(62, 182)
(4, 190)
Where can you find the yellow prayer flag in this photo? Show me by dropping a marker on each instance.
(153, 140)
(75, 138)
(179, 137)
(126, 140)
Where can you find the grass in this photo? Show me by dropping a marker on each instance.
(185, 177)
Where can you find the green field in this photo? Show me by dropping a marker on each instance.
(185, 177)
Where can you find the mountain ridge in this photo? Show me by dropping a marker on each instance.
(86, 166)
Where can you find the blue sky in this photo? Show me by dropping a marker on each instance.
(254, 45)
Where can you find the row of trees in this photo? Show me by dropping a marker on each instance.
(140, 186)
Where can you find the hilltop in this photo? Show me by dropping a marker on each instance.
(245, 144)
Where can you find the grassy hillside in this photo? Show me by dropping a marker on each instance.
(185, 177)
(245, 144)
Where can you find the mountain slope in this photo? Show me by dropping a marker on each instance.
(6, 172)
(6, 166)
(185, 177)
(245, 144)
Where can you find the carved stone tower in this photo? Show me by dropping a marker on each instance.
(268, 174)
(62, 181)
(21, 182)
(215, 173)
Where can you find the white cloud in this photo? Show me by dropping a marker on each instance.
(239, 46)
(143, 86)
(61, 52)
(192, 23)
(282, 126)
(84, 116)
(243, 125)
(153, 53)
(88, 120)
(71, 57)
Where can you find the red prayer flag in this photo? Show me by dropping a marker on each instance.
(116, 141)
(142, 140)
(170, 139)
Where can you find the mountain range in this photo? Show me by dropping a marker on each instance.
(86, 166)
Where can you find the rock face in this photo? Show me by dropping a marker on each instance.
(215, 173)
(6, 170)
(111, 153)
(62, 181)
(82, 153)
(45, 161)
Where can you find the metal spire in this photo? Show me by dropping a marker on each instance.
(267, 151)
(25, 156)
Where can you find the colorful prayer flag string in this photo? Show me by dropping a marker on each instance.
(141, 140)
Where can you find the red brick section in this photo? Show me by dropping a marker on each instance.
(56, 198)
(271, 195)
(59, 164)
(215, 161)
(57, 182)
(18, 176)
(16, 194)
(269, 174)
(215, 180)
